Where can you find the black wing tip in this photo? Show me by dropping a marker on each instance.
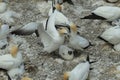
(93, 16)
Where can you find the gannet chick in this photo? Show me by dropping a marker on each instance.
(3, 7)
(111, 1)
(80, 72)
(108, 13)
(16, 73)
(28, 29)
(26, 78)
(76, 41)
(8, 15)
(111, 35)
(12, 60)
(65, 52)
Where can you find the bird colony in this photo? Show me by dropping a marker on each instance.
(59, 40)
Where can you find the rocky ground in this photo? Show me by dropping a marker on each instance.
(40, 66)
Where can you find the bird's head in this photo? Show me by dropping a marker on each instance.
(62, 31)
(26, 78)
(14, 50)
(66, 76)
(73, 27)
(58, 7)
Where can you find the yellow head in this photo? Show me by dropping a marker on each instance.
(58, 7)
(62, 30)
(73, 27)
(66, 76)
(14, 50)
(26, 78)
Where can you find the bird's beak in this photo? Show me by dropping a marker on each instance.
(66, 76)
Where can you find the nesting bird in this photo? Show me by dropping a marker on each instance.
(65, 52)
(76, 41)
(12, 60)
(28, 29)
(80, 72)
(109, 13)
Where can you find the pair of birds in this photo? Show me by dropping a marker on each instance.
(108, 13)
(53, 34)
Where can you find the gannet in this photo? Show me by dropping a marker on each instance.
(27, 29)
(52, 43)
(109, 13)
(111, 35)
(76, 41)
(80, 72)
(12, 60)
(65, 52)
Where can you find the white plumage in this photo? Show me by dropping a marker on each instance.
(112, 35)
(51, 38)
(65, 52)
(109, 13)
(80, 72)
(16, 73)
(76, 41)
(27, 29)
(10, 61)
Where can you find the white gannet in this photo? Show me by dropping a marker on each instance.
(65, 52)
(80, 72)
(12, 60)
(51, 43)
(3, 7)
(8, 15)
(4, 33)
(27, 29)
(76, 41)
(109, 13)
(111, 35)
(16, 73)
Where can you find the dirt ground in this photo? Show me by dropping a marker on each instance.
(41, 66)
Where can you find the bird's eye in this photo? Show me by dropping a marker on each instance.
(70, 52)
(63, 53)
